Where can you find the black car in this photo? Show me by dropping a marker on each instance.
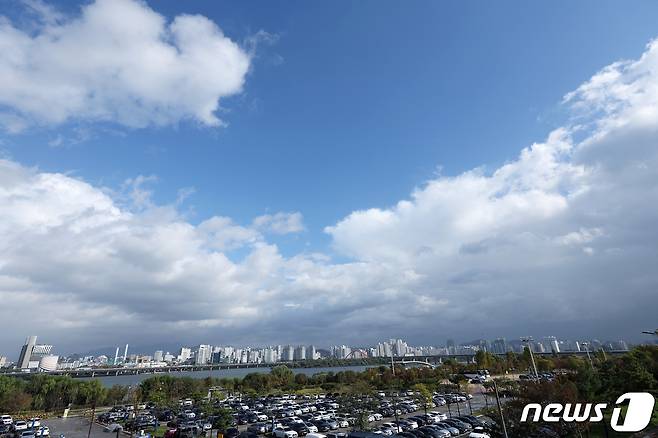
(470, 420)
(420, 433)
(300, 428)
(322, 425)
(429, 431)
(257, 428)
(418, 419)
(231, 432)
(463, 427)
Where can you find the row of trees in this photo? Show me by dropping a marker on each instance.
(50, 393)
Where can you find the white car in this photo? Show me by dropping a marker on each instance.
(438, 416)
(478, 434)
(378, 416)
(284, 432)
(20, 425)
(6, 419)
(342, 422)
(43, 431)
(113, 427)
(312, 428)
(34, 422)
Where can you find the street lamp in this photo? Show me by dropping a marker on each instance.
(532, 357)
(586, 345)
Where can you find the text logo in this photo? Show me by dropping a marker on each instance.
(638, 413)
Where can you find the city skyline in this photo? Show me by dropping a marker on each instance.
(176, 172)
(32, 353)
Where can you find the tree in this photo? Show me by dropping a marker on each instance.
(283, 376)
(423, 395)
(484, 359)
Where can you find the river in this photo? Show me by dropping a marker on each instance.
(127, 380)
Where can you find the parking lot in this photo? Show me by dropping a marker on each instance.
(302, 414)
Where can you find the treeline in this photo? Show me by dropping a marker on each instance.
(52, 393)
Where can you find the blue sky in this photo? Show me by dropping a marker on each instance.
(423, 153)
(356, 103)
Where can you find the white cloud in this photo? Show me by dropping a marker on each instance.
(560, 239)
(280, 223)
(117, 61)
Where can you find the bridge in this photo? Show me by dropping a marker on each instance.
(128, 371)
(414, 363)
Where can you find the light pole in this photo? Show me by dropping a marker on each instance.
(500, 409)
(532, 357)
(395, 396)
(586, 345)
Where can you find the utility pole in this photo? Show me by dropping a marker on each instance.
(395, 397)
(91, 422)
(500, 409)
(532, 357)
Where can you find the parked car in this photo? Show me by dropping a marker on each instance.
(300, 428)
(6, 419)
(463, 427)
(479, 433)
(284, 432)
(113, 427)
(445, 426)
(231, 432)
(20, 425)
(257, 428)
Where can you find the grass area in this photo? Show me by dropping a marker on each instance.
(310, 391)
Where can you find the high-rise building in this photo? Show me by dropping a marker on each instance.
(184, 354)
(203, 354)
(158, 356)
(270, 355)
(499, 346)
(288, 353)
(26, 352)
(300, 352)
(311, 352)
(550, 343)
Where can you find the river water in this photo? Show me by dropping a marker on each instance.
(128, 380)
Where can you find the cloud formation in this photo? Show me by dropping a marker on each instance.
(561, 238)
(117, 61)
